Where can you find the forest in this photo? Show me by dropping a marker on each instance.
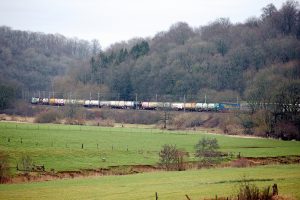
(256, 61)
(221, 59)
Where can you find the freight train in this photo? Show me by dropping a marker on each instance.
(141, 105)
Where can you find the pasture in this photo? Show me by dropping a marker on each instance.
(65, 147)
(198, 184)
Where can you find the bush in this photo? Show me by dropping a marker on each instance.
(172, 158)
(286, 130)
(23, 108)
(206, 151)
(207, 147)
(263, 120)
(248, 191)
(74, 112)
(48, 117)
(26, 163)
(4, 168)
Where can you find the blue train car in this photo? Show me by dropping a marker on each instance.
(229, 106)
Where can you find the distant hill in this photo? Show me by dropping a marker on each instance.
(29, 60)
(221, 59)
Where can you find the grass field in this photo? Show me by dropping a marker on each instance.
(197, 184)
(60, 146)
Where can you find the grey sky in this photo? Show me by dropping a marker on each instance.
(111, 21)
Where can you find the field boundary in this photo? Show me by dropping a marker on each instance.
(24, 177)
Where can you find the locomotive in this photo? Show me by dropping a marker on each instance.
(141, 105)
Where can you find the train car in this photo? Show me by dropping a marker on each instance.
(117, 104)
(56, 102)
(70, 101)
(105, 104)
(91, 103)
(52, 101)
(207, 107)
(45, 101)
(201, 107)
(213, 107)
(165, 105)
(190, 106)
(177, 106)
(137, 104)
(129, 104)
(229, 106)
(245, 107)
(79, 102)
(113, 104)
(35, 100)
(149, 105)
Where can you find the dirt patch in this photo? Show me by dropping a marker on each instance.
(134, 169)
(111, 171)
(254, 161)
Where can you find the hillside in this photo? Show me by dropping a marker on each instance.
(30, 60)
(221, 59)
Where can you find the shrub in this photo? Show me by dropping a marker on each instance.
(172, 158)
(48, 117)
(263, 120)
(207, 147)
(248, 191)
(74, 112)
(286, 130)
(247, 123)
(23, 108)
(206, 151)
(26, 163)
(4, 168)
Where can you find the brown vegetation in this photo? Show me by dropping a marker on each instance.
(4, 168)
(50, 116)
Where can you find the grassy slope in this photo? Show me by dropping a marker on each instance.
(143, 145)
(169, 185)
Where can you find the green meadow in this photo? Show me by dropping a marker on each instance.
(66, 147)
(198, 184)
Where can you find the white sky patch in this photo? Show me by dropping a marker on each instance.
(112, 21)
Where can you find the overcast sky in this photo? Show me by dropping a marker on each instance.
(111, 21)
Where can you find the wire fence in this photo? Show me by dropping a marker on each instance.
(45, 136)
